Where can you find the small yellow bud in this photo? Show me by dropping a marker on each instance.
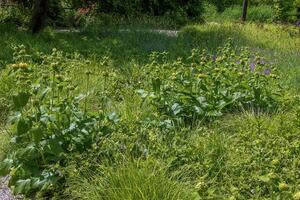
(297, 196)
(283, 186)
(201, 75)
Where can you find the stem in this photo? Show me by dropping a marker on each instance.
(87, 89)
(53, 92)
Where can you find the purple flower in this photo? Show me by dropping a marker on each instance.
(267, 71)
(238, 62)
(252, 66)
(214, 58)
(297, 23)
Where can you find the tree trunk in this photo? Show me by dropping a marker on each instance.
(245, 9)
(39, 15)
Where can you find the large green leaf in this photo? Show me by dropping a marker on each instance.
(37, 134)
(54, 147)
(23, 186)
(22, 126)
(5, 166)
(156, 83)
(21, 99)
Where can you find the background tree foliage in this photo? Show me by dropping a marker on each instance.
(182, 10)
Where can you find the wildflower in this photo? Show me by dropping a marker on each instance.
(201, 75)
(267, 71)
(252, 66)
(238, 62)
(297, 196)
(275, 162)
(20, 65)
(14, 66)
(23, 65)
(200, 185)
(271, 175)
(173, 77)
(283, 186)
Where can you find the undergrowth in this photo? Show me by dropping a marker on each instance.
(109, 114)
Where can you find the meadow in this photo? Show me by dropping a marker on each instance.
(121, 112)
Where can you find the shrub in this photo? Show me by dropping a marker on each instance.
(14, 15)
(48, 127)
(283, 9)
(207, 86)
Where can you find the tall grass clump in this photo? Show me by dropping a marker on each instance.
(4, 143)
(131, 181)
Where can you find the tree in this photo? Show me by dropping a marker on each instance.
(245, 8)
(39, 15)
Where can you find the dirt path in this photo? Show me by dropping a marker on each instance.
(171, 33)
(5, 193)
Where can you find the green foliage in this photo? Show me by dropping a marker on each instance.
(14, 15)
(283, 9)
(259, 13)
(221, 5)
(261, 10)
(207, 86)
(157, 8)
(242, 155)
(4, 143)
(48, 127)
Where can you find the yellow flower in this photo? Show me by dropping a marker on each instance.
(275, 162)
(297, 196)
(173, 77)
(201, 75)
(200, 185)
(271, 175)
(23, 65)
(283, 186)
(20, 65)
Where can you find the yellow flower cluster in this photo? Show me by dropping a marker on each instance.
(20, 65)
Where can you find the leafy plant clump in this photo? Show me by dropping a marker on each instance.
(206, 86)
(48, 127)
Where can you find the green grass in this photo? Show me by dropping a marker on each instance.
(133, 181)
(241, 156)
(4, 142)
